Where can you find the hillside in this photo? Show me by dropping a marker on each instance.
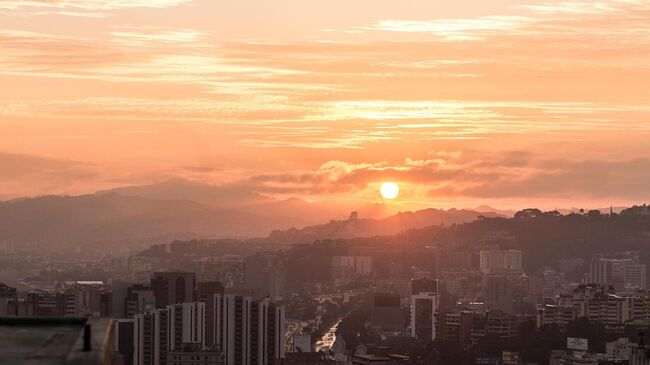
(400, 222)
(53, 222)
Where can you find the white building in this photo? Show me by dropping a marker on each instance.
(346, 268)
(248, 331)
(499, 261)
(186, 325)
(622, 274)
(423, 315)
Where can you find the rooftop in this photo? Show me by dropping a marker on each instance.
(53, 341)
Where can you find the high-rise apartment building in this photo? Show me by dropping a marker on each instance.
(124, 340)
(423, 319)
(248, 331)
(186, 325)
(151, 337)
(205, 293)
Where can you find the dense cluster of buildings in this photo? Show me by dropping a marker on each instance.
(597, 304)
(179, 321)
(174, 320)
(229, 309)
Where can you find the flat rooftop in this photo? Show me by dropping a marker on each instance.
(53, 341)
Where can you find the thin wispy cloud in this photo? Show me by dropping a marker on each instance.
(93, 5)
(372, 94)
(453, 29)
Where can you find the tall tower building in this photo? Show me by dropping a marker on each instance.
(498, 293)
(424, 304)
(266, 274)
(138, 299)
(186, 325)
(248, 331)
(124, 340)
(205, 293)
(173, 288)
(151, 337)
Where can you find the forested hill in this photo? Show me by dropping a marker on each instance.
(547, 236)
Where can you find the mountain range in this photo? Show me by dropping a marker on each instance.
(154, 213)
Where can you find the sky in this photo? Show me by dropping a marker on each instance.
(506, 103)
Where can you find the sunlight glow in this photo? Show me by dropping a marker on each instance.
(389, 190)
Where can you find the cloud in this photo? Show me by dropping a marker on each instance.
(453, 29)
(80, 8)
(596, 179)
(442, 176)
(513, 174)
(138, 36)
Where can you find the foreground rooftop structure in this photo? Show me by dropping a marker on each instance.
(54, 341)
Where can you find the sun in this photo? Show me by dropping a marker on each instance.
(389, 190)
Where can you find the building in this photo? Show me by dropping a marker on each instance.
(598, 304)
(498, 293)
(634, 276)
(386, 312)
(423, 286)
(362, 265)
(191, 354)
(7, 294)
(561, 357)
(86, 299)
(266, 274)
(460, 326)
(123, 332)
(19, 307)
(186, 325)
(466, 327)
(151, 337)
(619, 351)
(160, 333)
(400, 287)
(557, 315)
(173, 288)
(380, 357)
(304, 358)
(47, 304)
(622, 274)
(495, 262)
(423, 319)
(205, 293)
(248, 331)
(502, 325)
(639, 354)
(348, 268)
(139, 299)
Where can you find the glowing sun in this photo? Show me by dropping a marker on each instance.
(389, 190)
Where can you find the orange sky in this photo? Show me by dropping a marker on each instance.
(508, 103)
